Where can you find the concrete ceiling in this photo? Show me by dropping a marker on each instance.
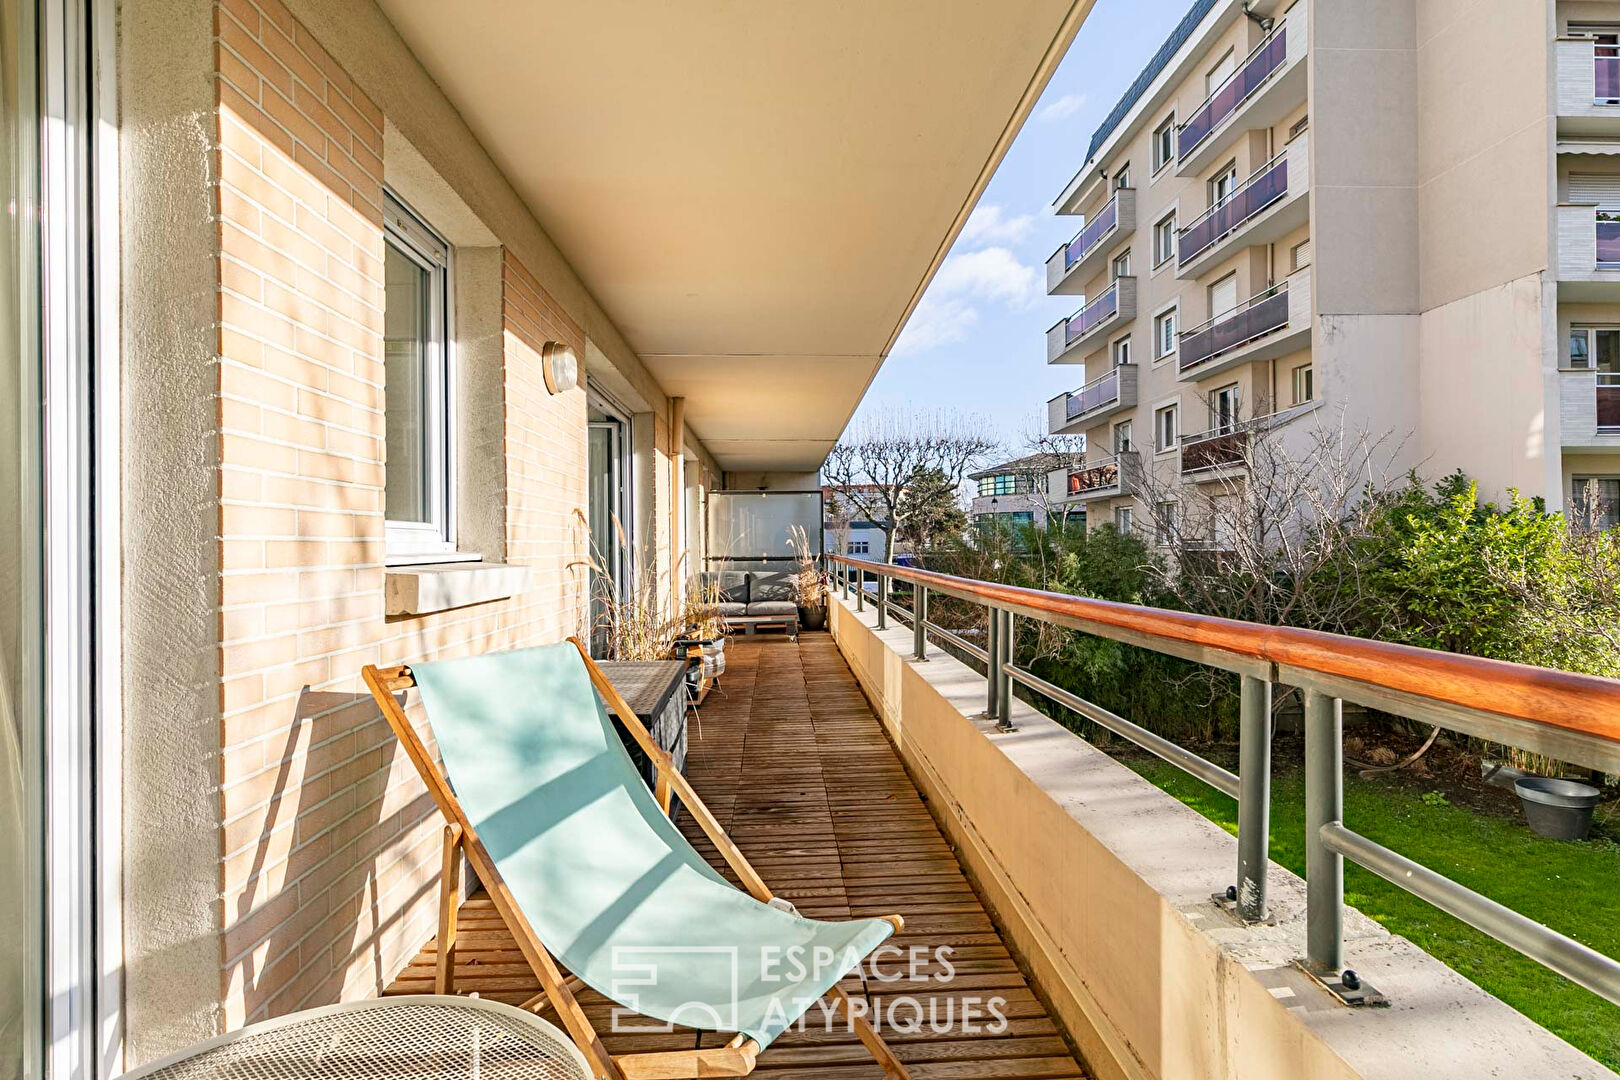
(756, 191)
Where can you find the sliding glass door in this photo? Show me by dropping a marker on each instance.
(22, 627)
(56, 997)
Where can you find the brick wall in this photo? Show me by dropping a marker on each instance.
(329, 846)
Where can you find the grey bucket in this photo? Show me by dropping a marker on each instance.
(1561, 809)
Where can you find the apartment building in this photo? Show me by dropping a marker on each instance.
(1390, 217)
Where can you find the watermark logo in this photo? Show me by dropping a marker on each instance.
(709, 986)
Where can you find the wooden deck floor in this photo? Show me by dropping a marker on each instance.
(795, 765)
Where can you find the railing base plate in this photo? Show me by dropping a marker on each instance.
(1363, 996)
(1229, 905)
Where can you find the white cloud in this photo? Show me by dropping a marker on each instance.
(989, 225)
(1063, 108)
(949, 309)
(991, 274)
(935, 323)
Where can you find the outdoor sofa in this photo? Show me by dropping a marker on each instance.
(752, 599)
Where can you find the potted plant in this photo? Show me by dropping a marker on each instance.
(808, 582)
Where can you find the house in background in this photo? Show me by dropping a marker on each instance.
(1025, 491)
(847, 530)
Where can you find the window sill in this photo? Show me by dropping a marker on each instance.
(421, 590)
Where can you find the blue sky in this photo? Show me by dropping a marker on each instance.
(976, 342)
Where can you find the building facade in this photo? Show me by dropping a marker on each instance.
(1029, 490)
(1315, 214)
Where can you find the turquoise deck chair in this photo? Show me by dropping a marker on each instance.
(584, 865)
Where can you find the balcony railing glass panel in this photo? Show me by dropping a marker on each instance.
(1255, 317)
(1098, 476)
(1606, 74)
(1608, 401)
(1267, 57)
(1259, 191)
(1608, 236)
(1092, 234)
(1098, 392)
(1104, 307)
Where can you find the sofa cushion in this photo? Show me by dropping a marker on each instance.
(773, 607)
(730, 609)
(773, 585)
(732, 584)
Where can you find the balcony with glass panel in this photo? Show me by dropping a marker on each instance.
(1274, 322)
(1271, 203)
(1587, 86)
(1068, 340)
(1076, 262)
(1112, 392)
(1588, 253)
(1105, 478)
(1266, 87)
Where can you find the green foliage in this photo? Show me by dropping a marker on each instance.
(1447, 571)
(929, 511)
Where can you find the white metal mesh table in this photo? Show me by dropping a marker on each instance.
(446, 1038)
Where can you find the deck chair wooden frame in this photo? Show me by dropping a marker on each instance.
(736, 1058)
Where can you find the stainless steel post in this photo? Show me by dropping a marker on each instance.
(1324, 805)
(1254, 798)
(919, 621)
(882, 602)
(992, 673)
(860, 588)
(1003, 657)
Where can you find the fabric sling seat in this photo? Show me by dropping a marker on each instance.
(546, 793)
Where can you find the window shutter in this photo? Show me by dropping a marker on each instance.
(1587, 188)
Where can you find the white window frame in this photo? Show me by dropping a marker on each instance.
(434, 540)
(1129, 442)
(1119, 350)
(1167, 317)
(1164, 138)
(1122, 520)
(1305, 373)
(1160, 442)
(1164, 523)
(1164, 239)
(1227, 174)
(1120, 265)
(1216, 425)
(1122, 178)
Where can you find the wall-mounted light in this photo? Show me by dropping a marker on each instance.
(560, 366)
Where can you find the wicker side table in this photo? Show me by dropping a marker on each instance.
(448, 1038)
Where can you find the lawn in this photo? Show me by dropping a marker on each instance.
(1572, 887)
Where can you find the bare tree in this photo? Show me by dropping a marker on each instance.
(1265, 522)
(1061, 452)
(876, 461)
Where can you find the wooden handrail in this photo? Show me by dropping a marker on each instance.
(1588, 704)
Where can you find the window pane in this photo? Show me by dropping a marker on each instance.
(1577, 349)
(406, 329)
(22, 719)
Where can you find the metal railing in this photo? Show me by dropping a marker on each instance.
(1103, 390)
(1570, 717)
(1099, 476)
(1259, 315)
(1092, 234)
(1092, 315)
(1264, 186)
(1256, 69)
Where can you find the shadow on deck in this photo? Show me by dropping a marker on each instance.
(797, 768)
